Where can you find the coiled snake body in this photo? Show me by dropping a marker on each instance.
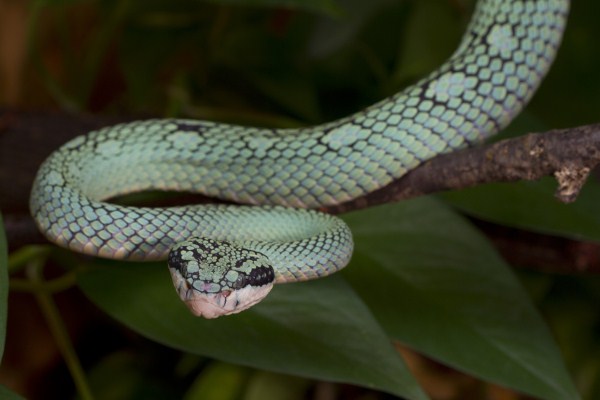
(224, 258)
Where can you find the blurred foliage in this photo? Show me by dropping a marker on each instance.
(421, 274)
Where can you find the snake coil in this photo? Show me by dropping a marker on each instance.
(223, 259)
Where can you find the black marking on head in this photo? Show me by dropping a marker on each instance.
(175, 262)
(259, 276)
(199, 251)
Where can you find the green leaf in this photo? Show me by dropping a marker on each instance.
(435, 284)
(7, 394)
(533, 207)
(330, 35)
(316, 329)
(278, 88)
(424, 48)
(573, 77)
(3, 286)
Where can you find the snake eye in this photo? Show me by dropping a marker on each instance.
(241, 281)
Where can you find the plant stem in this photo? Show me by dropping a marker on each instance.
(57, 327)
(51, 286)
(23, 256)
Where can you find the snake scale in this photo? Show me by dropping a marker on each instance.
(225, 258)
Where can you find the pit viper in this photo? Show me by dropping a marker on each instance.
(226, 258)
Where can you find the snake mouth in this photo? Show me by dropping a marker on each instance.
(210, 305)
(214, 305)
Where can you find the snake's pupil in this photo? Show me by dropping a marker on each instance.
(240, 282)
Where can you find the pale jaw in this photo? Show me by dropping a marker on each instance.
(213, 305)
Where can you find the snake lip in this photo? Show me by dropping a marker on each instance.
(213, 305)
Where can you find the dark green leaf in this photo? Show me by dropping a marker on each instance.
(7, 394)
(534, 207)
(436, 285)
(3, 287)
(316, 329)
(278, 88)
(424, 48)
(331, 34)
(569, 95)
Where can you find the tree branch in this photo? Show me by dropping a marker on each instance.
(567, 154)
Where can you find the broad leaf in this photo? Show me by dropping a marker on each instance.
(3, 287)
(7, 394)
(435, 284)
(534, 207)
(316, 329)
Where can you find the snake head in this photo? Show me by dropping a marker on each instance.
(215, 278)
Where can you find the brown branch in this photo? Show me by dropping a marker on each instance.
(567, 154)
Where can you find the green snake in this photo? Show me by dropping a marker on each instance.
(226, 258)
